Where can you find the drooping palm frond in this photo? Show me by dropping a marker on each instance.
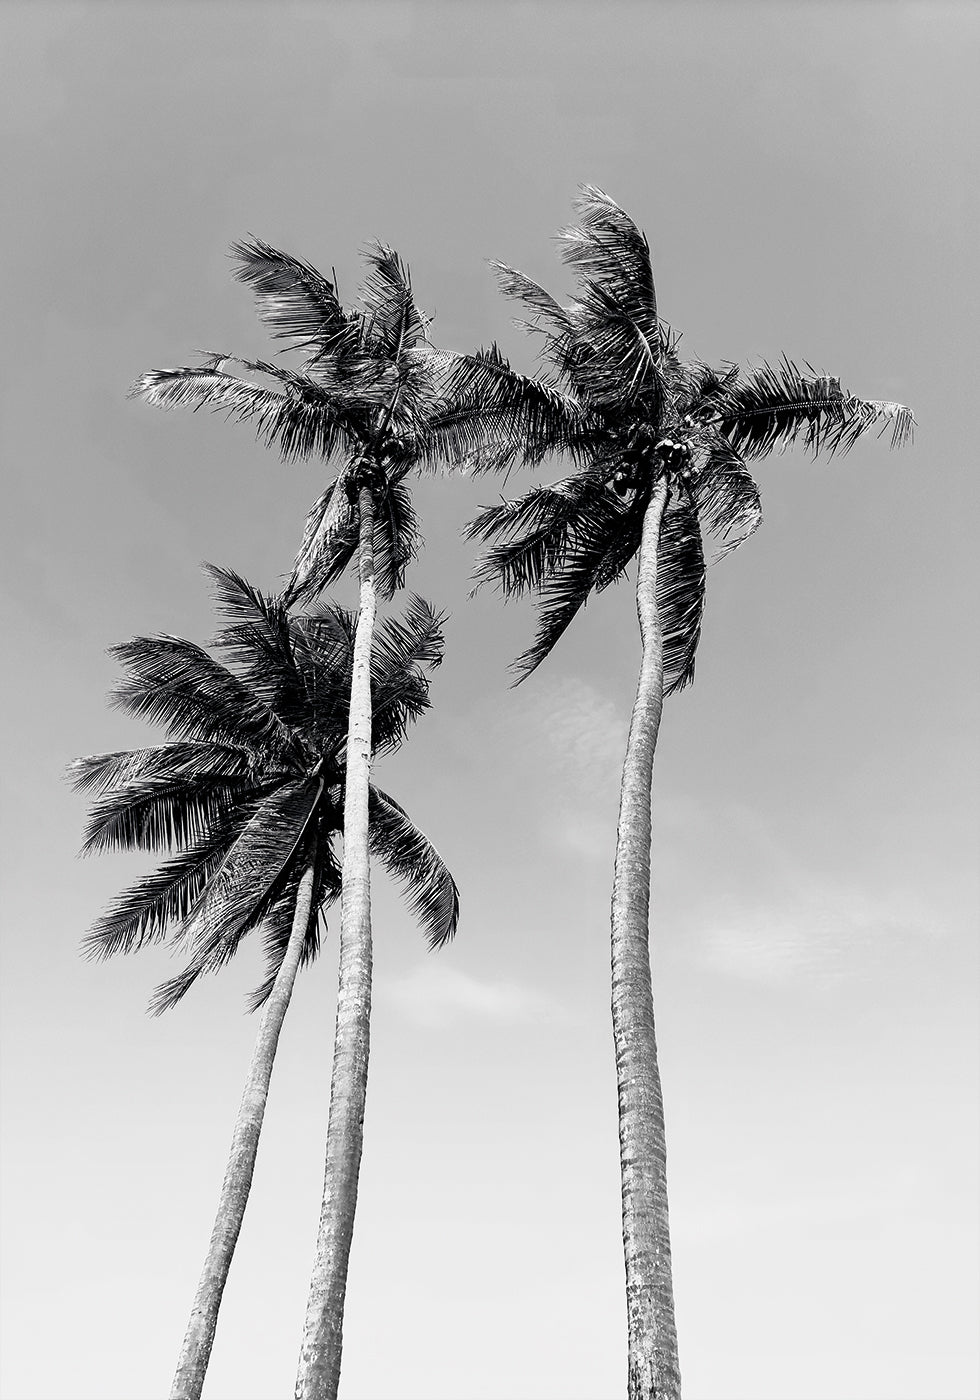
(726, 496)
(396, 538)
(330, 538)
(534, 530)
(277, 925)
(165, 898)
(680, 590)
(295, 300)
(587, 551)
(411, 858)
(240, 893)
(773, 406)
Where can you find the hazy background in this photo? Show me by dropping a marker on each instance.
(806, 173)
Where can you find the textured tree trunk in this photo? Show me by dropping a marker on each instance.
(653, 1367)
(199, 1337)
(318, 1375)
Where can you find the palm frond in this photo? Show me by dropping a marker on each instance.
(404, 651)
(392, 320)
(258, 639)
(163, 899)
(616, 358)
(494, 416)
(295, 301)
(329, 543)
(396, 538)
(100, 771)
(591, 537)
(726, 496)
(278, 923)
(177, 684)
(535, 530)
(305, 418)
(773, 406)
(541, 304)
(411, 858)
(159, 813)
(240, 893)
(680, 591)
(607, 250)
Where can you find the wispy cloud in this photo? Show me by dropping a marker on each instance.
(781, 918)
(435, 995)
(584, 730)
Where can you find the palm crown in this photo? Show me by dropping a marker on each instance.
(629, 412)
(249, 787)
(367, 389)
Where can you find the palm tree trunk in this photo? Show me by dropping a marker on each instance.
(318, 1375)
(653, 1367)
(196, 1350)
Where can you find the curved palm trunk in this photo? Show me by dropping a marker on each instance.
(653, 1366)
(318, 1375)
(199, 1337)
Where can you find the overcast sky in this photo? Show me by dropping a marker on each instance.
(806, 175)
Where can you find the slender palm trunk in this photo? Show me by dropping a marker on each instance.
(318, 1375)
(199, 1337)
(653, 1366)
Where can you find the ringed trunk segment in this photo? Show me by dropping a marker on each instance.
(653, 1366)
(318, 1375)
(198, 1340)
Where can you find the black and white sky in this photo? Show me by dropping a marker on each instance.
(805, 173)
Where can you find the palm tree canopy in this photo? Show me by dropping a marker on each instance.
(620, 403)
(366, 389)
(248, 787)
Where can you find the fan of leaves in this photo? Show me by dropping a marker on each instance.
(247, 790)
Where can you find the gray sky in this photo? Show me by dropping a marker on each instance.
(806, 176)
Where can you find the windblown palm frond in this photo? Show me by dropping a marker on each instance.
(535, 531)
(773, 406)
(409, 855)
(296, 301)
(392, 321)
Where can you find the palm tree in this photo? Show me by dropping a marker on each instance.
(661, 448)
(247, 791)
(368, 391)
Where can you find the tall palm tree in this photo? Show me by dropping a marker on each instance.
(248, 792)
(367, 390)
(662, 449)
